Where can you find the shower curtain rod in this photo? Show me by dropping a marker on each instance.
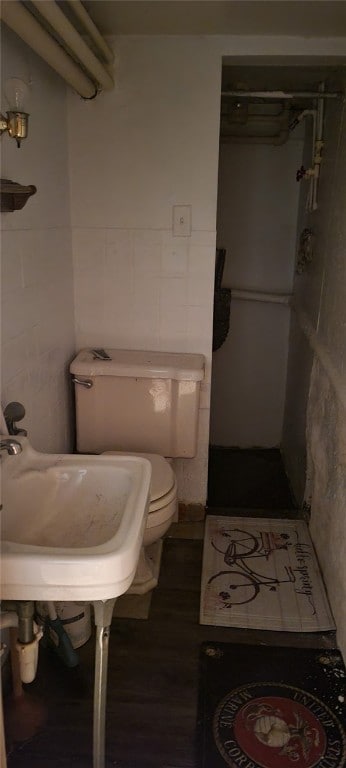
(283, 94)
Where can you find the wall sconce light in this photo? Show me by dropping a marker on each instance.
(17, 93)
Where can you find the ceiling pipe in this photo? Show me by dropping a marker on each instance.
(13, 13)
(51, 12)
(89, 26)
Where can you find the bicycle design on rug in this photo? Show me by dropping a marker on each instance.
(241, 583)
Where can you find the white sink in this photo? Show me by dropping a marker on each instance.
(72, 525)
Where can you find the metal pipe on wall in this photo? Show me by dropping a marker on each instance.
(13, 13)
(317, 148)
(51, 12)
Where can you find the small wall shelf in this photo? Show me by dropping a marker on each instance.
(13, 196)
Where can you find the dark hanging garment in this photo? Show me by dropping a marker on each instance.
(222, 302)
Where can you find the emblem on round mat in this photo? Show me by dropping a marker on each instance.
(272, 725)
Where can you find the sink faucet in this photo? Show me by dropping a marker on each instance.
(13, 447)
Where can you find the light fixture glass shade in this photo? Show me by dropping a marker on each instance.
(17, 94)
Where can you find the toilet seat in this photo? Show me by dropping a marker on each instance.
(164, 500)
(162, 510)
(163, 486)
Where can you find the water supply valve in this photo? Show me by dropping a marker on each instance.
(300, 173)
(14, 412)
(305, 173)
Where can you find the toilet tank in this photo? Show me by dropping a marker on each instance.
(137, 401)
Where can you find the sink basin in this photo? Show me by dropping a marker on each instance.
(72, 525)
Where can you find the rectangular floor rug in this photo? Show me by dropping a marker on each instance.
(270, 707)
(260, 573)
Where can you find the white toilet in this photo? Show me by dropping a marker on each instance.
(143, 402)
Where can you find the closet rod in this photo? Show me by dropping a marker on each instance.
(269, 298)
(283, 94)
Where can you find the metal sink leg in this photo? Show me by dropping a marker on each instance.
(103, 619)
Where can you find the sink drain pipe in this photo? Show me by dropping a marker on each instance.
(25, 610)
(25, 714)
(25, 639)
(103, 612)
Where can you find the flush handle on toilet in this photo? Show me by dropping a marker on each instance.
(84, 382)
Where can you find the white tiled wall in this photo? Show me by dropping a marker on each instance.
(37, 330)
(133, 287)
(36, 260)
(145, 289)
(136, 285)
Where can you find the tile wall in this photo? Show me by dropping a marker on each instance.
(137, 286)
(36, 258)
(145, 289)
(37, 331)
(317, 369)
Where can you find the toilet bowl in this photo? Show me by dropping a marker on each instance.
(163, 508)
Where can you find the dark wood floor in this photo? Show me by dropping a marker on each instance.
(248, 478)
(153, 680)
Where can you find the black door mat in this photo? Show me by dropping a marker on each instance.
(271, 707)
(253, 478)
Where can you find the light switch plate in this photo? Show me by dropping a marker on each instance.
(182, 215)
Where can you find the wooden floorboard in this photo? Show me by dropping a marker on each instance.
(252, 477)
(152, 681)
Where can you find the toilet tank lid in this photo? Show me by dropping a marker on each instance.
(139, 363)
